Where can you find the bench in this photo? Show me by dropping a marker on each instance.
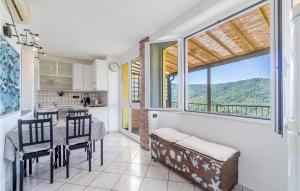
(211, 166)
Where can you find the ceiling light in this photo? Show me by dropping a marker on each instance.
(36, 38)
(34, 49)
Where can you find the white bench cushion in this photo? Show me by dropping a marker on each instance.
(170, 134)
(213, 150)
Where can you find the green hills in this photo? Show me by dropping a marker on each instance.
(254, 91)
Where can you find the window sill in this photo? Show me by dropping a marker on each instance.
(165, 109)
(219, 116)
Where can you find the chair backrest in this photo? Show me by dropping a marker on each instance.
(34, 132)
(78, 127)
(78, 112)
(46, 114)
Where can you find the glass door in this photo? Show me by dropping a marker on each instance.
(130, 98)
(125, 106)
(135, 95)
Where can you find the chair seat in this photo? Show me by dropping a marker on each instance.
(78, 146)
(34, 148)
(36, 154)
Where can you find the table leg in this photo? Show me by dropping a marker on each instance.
(94, 145)
(14, 173)
(30, 166)
(59, 155)
(25, 168)
(101, 141)
(21, 174)
(55, 157)
(64, 155)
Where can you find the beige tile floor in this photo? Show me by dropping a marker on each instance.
(126, 168)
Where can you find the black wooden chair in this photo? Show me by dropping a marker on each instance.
(53, 115)
(78, 127)
(47, 114)
(78, 112)
(81, 112)
(32, 133)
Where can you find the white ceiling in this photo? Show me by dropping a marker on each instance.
(89, 29)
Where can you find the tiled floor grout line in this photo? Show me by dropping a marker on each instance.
(123, 173)
(130, 151)
(66, 181)
(144, 176)
(99, 174)
(104, 172)
(119, 177)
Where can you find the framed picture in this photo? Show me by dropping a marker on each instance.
(9, 78)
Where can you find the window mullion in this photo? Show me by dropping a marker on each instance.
(208, 89)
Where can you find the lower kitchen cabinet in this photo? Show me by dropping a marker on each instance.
(100, 113)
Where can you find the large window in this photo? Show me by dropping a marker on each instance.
(228, 67)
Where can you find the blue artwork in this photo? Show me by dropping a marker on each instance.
(9, 78)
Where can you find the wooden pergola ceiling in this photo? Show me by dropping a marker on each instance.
(244, 35)
(136, 66)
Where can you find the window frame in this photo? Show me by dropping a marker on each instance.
(271, 51)
(134, 101)
(180, 70)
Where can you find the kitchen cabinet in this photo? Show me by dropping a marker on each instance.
(87, 78)
(64, 69)
(99, 75)
(73, 76)
(78, 81)
(55, 75)
(101, 113)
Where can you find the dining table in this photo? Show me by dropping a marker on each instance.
(11, 147)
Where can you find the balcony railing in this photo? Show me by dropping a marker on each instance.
(255, 111)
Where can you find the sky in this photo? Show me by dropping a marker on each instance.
(257, 67)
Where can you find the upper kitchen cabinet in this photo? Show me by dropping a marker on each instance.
(78, 79)
(87, 77)
(48, 68)
(64, 69)
(55, 75)
(73, 76)
(99, 75)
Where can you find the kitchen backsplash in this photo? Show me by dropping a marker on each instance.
(49, 98)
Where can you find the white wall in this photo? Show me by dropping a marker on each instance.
(8, 121)
(263, 160)
(113, 99)
(27, 68)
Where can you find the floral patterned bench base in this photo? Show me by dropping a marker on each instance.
(204, 171)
